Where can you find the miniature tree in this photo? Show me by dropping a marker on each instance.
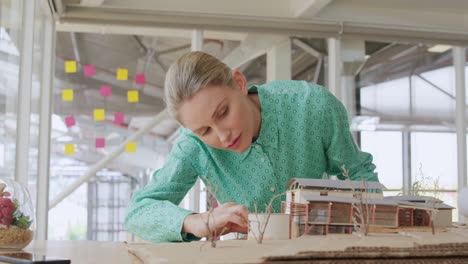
(434, 204)
(361, 216)
(262, 225)
(212, 233)
(420, 186)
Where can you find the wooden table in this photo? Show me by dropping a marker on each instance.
(246, 251)
(238, 251)
(82, 251)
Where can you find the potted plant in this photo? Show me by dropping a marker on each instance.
(16, 215)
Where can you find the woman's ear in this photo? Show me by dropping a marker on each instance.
(240, 82)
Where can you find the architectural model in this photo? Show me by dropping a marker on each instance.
(319, 206)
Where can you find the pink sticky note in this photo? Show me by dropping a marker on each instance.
(70, 121)
(106, 90)
(89, 70)
(119, 118)
(140, 78)
(100, 142)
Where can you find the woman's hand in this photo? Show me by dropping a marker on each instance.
(227, 218)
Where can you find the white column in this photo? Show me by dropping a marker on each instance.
(279, 61)
(459, 62)
(197, 40)
(334, 67)
(352, 56)
(194, 193)
(348, 98)
(24, 94)
(348, 94)
(42, 198)
(406, 156)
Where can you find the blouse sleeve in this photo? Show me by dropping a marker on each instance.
(339, 144)
(153, 214)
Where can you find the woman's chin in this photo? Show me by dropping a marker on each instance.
(242, 149)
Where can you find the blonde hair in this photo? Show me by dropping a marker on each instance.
(190, 73)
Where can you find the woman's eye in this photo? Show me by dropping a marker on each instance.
(206, 131)
(224, 112)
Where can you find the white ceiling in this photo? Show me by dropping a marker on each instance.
(414, 20)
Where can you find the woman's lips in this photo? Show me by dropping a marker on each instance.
(235, 144)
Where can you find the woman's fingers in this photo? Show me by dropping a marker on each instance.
(239, 229)
(244, 211)
(235, 224)
(238, 210)
(238, 220)
(229, 217)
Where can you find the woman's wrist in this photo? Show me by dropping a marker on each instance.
(195, 224)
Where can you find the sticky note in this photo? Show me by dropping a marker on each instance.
(106, 91)
(100, 142)
(130, 147)
(67, 95)
(69, 149)
(119, 118)
(70, 121)
(70, 66)
(99, 114)
(133, 96)
(122, 74)
(140, 78)
(89, 70)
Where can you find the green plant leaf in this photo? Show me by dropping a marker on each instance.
(22, 221)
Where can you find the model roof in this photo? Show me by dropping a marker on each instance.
(386, 201)
(333, 184)
(423, 202)
(413, 198)
(315, 198)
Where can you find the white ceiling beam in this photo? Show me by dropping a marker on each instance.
(251, 47)
(307, 48)
(144, 31)
(277, 8)
(308, 8)
(387, 29)
(91, 157)
(91, 3)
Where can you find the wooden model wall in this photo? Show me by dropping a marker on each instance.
(323, 217)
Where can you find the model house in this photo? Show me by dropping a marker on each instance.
(319, 206)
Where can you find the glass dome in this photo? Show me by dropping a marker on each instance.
(16, 215)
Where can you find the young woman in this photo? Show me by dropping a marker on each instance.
(245, 143)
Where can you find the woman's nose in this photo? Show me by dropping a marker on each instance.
(224, 136)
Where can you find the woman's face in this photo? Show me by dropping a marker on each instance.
(222, 117)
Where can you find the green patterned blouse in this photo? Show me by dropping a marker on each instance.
(304, 133)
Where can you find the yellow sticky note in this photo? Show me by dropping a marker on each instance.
(69, 149)
(133, 96)
(70, 66)
(99, 114)
(122, 74)
(130, 147)
(67, 95)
